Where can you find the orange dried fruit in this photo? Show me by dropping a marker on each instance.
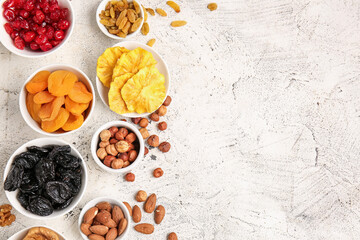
(73, 122)
(49, 111)
(43, 97)
(212, 6)
(178, 23)
(80, 94)
(32, 107)
(174, 6)
(74, 107)
(61, 82)
(151, 42)
(57, 123)
(38, 83)
(161, 12)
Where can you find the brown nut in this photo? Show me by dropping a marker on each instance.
(172, 236)
(99, 229)
(110, 149)
(121, 134)
(162, 126)
(141, 196)
(113, 140)
(167, 101)
(145, 228)
(112, 234)
(85, 228)
(136, 214)
(110, 224)
(130, 177)
(104, 206)
(158, 172)
(144, 123)
(122, 146)
(150, 203)
(101, 153)
(146, 151)
(159, 214)
(103, 144)
(117, 164)
(154, 117)
(161, 111)
(113, 130)
(126, 163)
(130, 138)
(90, 215)
(95, 237)
(136, 120)
(103, 216)
(122, 226)
(117, 214)
(128, 208)
(132, 155)
(153, 141)
(105, 135)
(108, 160)
(124, 156)
(164, 147)
(144, 133)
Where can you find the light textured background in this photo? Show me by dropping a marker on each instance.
(264, 123)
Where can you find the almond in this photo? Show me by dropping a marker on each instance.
(85, 229)
(117, 214)
(150, 203)
(104, 206)
(172, 236)
(103, 216)
(128, 207)
(159, 214)
(112, 234)
(90, 215)
(96, 237)
(110, 223)
(99, 229)
(145, 228)
(136, 215)
(122, 226)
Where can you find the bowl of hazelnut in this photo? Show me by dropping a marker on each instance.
(117, 146)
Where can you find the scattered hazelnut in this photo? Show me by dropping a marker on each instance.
(158, 172)
(144, 123)
(161, 111)
(144, 133)
(113, 130)
(132, 155)
(153, 141)
(136, 120)
(131, 137)
(154, 117)
(146, 151)
(101, 153)
(103, 144)
(122, 146)
(167, 101)
(108, 159)
(130, 177)
(162, 126)
(126, 163)
(141, 196)
(113, 140)
(124, 156)
(124, 120)
(121, 134)
(164, 147)
(117, 164)
(110, 149)
(105, 135)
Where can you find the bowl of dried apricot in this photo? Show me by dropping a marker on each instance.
(57, 100)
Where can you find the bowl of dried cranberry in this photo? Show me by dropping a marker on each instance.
(35, 28)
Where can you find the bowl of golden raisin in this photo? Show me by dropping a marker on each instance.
(57, 100)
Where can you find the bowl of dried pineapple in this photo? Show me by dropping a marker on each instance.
(132, 79)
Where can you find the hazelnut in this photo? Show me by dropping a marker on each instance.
(105, 135)
(131, 146)
(126, 163)
(132, 155)
(155, 117)
(131, 137)
(164, 147)
(124, 120)
(158, 172)
(136, 120)
(110, 149)
(124, 156)
(162, 126)
(144, 123)
(113, 141)
(108, 159)
(161, 111)
(146, 151)
(130, 177)
(101, 153)
(144, 133)
(167, 101)
(103, 144)
(117, 164)
(122, 146)
(141, 196)
(153, 141)
(121, 134)
(113, 130)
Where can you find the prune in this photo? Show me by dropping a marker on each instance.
(40, 206)
(31, 187)
(63, 205)
(59, 150)
(45, 171)
(26, 159)
(23, 199)
(27, 177)
(40, 151)
(67, 161)
(14, 178)
(59, 192)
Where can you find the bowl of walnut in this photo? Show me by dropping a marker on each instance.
(120, 19)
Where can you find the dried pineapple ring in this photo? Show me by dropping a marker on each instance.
(116, 102)
(106, 63)
(145, 91)
(133, 61)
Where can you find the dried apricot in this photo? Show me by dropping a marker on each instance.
(49, 111)
(73, 122)
(80, 94)
(32, 107)
(61, 82)
(43, 97)
(38, 83)
(74, 107)
(57, 123)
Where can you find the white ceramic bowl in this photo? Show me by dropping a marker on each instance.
(161, 65)
(101, 7)
(11, 196)
(95, 141)
(9, 43)
(22, 233)
(112, 201)
(22, 98)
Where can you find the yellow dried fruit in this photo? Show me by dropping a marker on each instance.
(145, 29)
(116, 101)
(122, 34)
(145, 13)
(151, 11)
(212, 6)
(123, 22)
(137, 7)
(174, 6)
(178, 23)
(121, 17)
(151, 42)
(125, 29)
(131, 16)
(161, 12)
(136, 25)
(112, 12)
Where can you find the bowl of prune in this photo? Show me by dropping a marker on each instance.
(45, 178)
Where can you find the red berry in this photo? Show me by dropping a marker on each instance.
(39, 16)
(63, 24)
(55, 25)
(24, 24)
(16, 24)
(8, 28)
(64, 12)
(33, 26)
(9, 4)
(55, 43)
(19, 43)
(48, 19)
(29, 6)
(9, 15)
(37, 6)
(14, 34)
(55, 15)
(53, 7)
(49, 32)
(19, 4)
(24, 14)
(41, 39)
(59, 35)
(52, 2)
(34, 46)
(29, 36)
(41, 30)
(46, 47)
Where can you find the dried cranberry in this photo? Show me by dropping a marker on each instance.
(16, 25)
(55, 25)
(49, 32)
(24, 14)
(63, 24)
(33, 26)
(9, 15)
(46, 47)
(8, 28)
(19, 43)
(41, 30)
(64, 12)
(29, 6)
(53, 7)
(24, 24)
(59, 35)
(55, 43)
(39, 16)
(9, 4)
(14, 34)
(37, 6)
(48, 19)
(22, 33)
(52, 2)
(41, 39)
(29, 36)
(19, 4)
(34, 46)
(55, 15)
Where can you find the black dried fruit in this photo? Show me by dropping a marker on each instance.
(67, 161)
(39, 151)
(45, 171)
(14, 178)
(59, 192)
(63, 205)
(23, 198)
(26, 159)
(31, 187)
(40, 206)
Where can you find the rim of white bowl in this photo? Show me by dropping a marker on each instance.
(33, 54)
(95, 141)
(22, 233)
(100, 86)
(22, 100)
(47, 141)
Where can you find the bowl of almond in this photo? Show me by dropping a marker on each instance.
(120, 19)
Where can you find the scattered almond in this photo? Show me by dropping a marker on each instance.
(172, 236)
(159, 214)
(145, 228)
(150, 203)
(136, 214)
(161, 12)
(178, 23)
(212, 6)
(151, 42)
(174, 6)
